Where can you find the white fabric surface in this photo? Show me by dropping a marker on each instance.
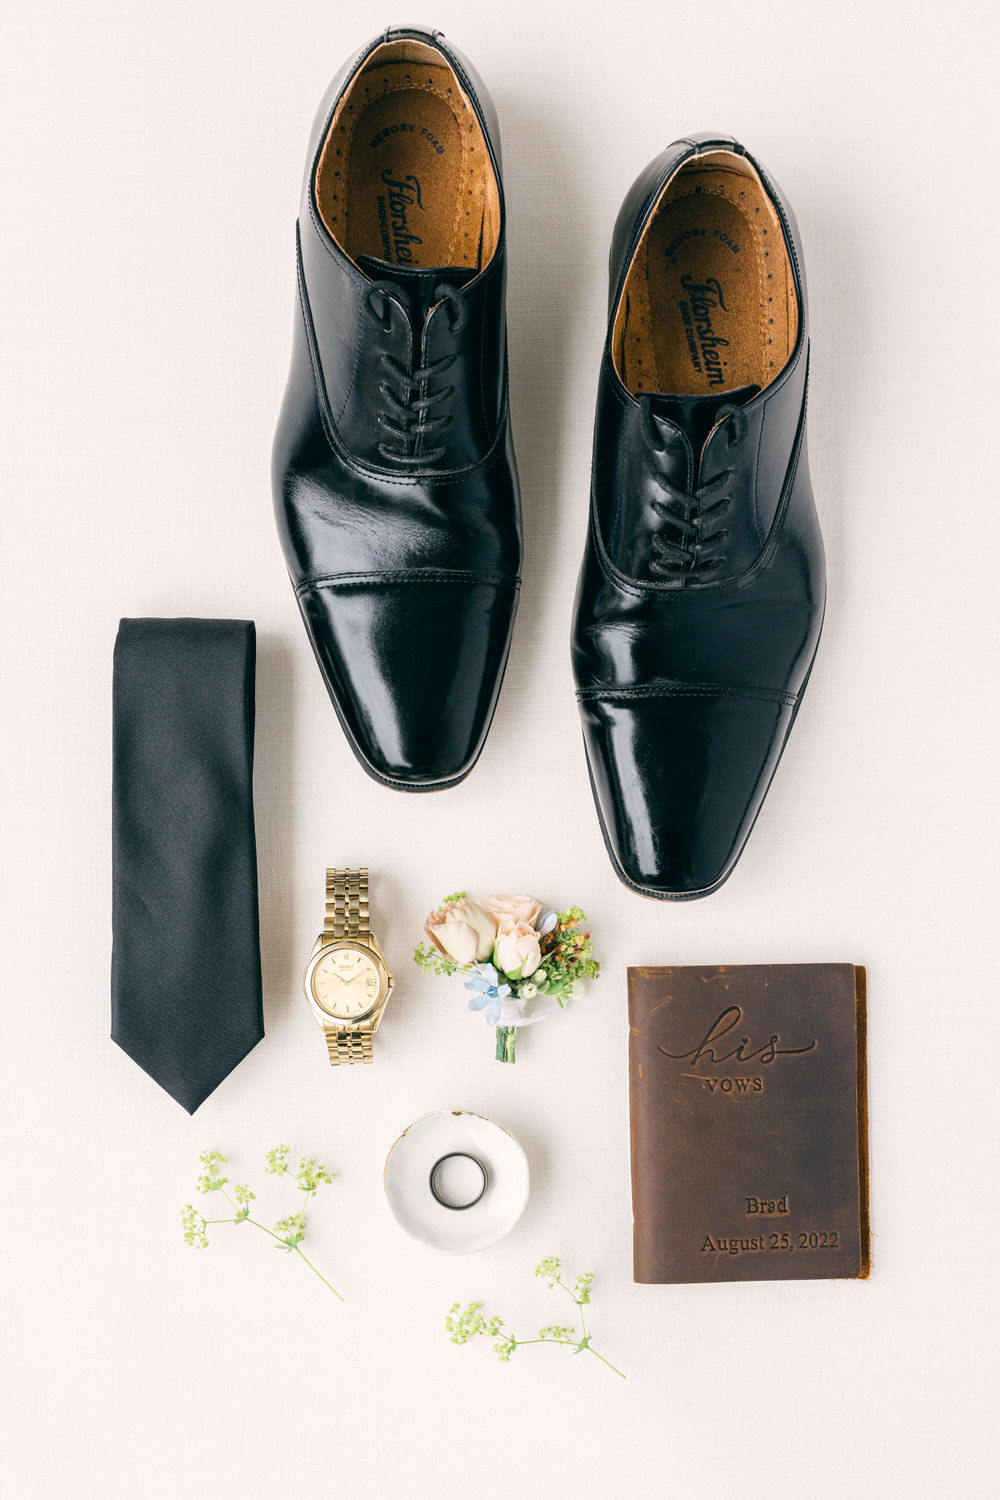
(151, 159)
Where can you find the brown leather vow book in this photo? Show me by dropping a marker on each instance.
(749, 1122)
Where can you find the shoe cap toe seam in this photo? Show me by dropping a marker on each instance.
(405, 575)
(639, 692)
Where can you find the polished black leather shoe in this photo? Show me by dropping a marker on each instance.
(702, 591)
(395, 486)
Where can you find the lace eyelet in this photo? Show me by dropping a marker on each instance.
(456, 302)
(736, 415)
(383, 319)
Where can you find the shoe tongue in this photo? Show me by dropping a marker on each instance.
(696, 415)
(418, 282)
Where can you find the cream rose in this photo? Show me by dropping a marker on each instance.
(517, 952)
(514, 908)
(465, 931)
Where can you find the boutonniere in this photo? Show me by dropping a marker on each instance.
(521, 960)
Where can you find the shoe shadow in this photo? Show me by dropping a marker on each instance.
(547, 222)
(843, 381)
(273, 794)
(844, 401)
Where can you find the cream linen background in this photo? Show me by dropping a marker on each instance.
(151, 161)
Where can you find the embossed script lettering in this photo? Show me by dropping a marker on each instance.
(722, 1026)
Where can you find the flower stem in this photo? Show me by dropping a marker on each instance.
(506, 1042)
(324, 1280)
(604, 1361)
(299, 1253)
(258, 1225)
(570, 1344)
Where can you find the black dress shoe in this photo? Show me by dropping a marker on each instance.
(394, 480)
(701, 597)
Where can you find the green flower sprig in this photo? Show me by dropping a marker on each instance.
(469, 1324)
(428, 958)
(567, 955)
(433, 962)
(288, 1233)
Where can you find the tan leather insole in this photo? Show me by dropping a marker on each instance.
(709, 301)
(405, 174)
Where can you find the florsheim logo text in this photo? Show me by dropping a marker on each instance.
(703, 299)
(401, 196)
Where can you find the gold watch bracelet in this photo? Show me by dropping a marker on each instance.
(347, 920)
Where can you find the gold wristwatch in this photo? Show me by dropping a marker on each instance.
(347, 981)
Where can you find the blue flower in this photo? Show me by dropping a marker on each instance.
(548, 923)
(487, 992)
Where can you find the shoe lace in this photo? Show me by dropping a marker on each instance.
(413, 407)
(694, 516)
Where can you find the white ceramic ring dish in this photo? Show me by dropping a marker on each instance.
(407, 1174)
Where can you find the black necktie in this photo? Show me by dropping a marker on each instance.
(185, 971)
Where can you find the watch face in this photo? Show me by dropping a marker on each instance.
(346, 981)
